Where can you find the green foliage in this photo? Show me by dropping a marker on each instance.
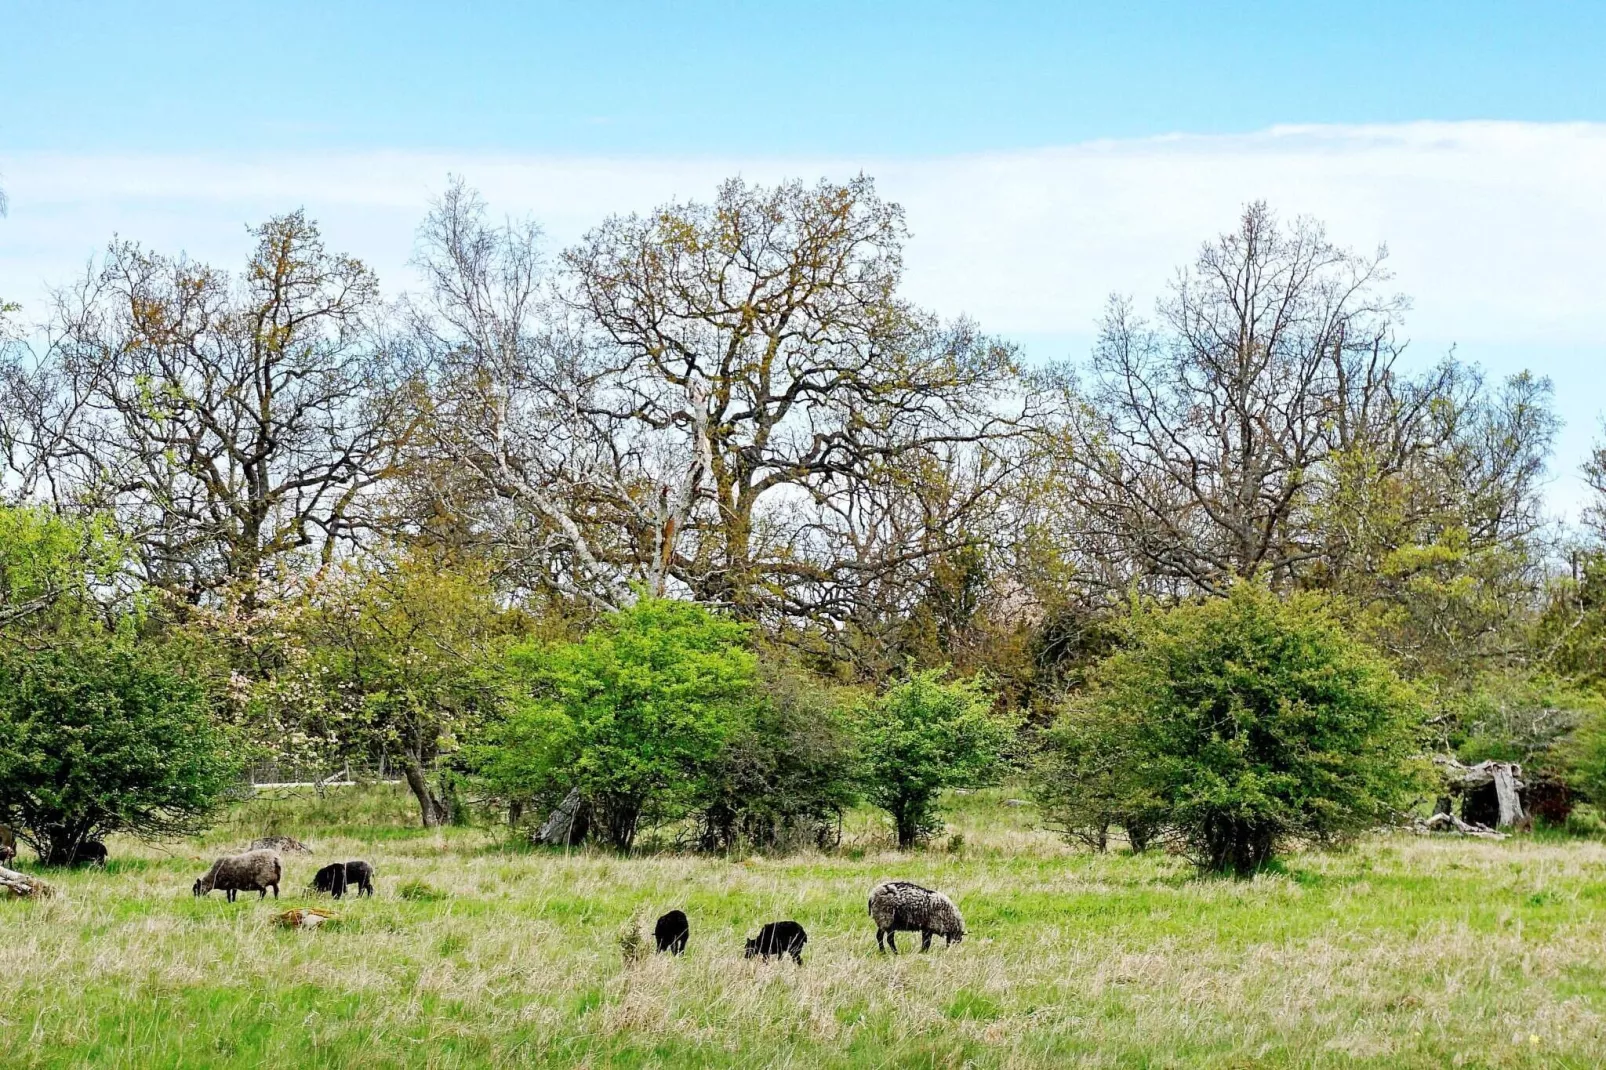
(98, 736)
(1519, 717)
(403, 657)
(53, 570)
(786, 774)
(1245, 722)
(635, 715)
(922, 736)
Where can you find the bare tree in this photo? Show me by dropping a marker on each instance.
(707, 395)
(1208, 436)
(225, 422)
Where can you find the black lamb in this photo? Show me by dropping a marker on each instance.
(778, 938)
(331, 879)
(672, 931)
(360, 875)
(339, 877)
(89, 853)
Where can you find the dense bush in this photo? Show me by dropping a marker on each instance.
(98, 736)
(1240, 724)
(922, 736)
(786, 774)
(634, 716)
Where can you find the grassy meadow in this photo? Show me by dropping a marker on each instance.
(478, 952)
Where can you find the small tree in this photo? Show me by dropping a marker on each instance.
(100, 736)
(923, 736)
(1084, 780)
(1246, 722)
(634, 715)
(408, 650)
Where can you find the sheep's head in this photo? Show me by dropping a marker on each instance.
(200, 888)
(751, 949)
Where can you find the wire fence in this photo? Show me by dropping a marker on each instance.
(271, 774)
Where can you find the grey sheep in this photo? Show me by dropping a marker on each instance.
(899, 906)
(254, 871)
(279, 843)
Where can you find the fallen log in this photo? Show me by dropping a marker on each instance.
(1444, 821)
(23, 885)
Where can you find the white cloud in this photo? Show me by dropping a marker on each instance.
(1496, 229)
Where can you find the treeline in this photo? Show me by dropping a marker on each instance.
(712, 467)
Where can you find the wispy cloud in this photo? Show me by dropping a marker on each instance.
(1495, 229)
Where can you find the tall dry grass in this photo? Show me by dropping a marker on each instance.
(1405, 952)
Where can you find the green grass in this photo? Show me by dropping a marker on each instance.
(477, 952)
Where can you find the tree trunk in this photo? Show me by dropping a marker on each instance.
(429, 807)
(23, 885)
(908, 831)
(566, 825)
(1505, 787)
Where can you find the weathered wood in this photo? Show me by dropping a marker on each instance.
(1444, 821)
(23, 885)
(1505, 786)
(1506, 778)
(560, 828)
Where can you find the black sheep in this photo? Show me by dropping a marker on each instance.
(331, 879)
(360, 875)
(89, 853)
(778, 938)
(337, 878)
(672, 931)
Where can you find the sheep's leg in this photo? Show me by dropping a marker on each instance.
(881, 939)
(275, 890)
(925, 939)
(892, 940)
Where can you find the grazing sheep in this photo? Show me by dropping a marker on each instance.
(89, 853)
(337, 878)
(7, 852)
(331, 879)
(360, 875)
(672, 931)
(252, 871)
(8, 837)
(899, 906)
(778, 938)
(280, 843)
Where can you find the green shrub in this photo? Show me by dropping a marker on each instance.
(923, 736)
(98, 735)
(634, 715)
(786, 773)
(1240, 724)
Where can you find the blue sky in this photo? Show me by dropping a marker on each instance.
(1048, 155)
(696, 76)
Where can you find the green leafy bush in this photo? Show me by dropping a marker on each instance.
(787, 772)
(97, 736)
(1240, 724)
(923, 736)
(634, 715)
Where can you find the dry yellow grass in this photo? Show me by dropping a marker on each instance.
(1405, 952)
